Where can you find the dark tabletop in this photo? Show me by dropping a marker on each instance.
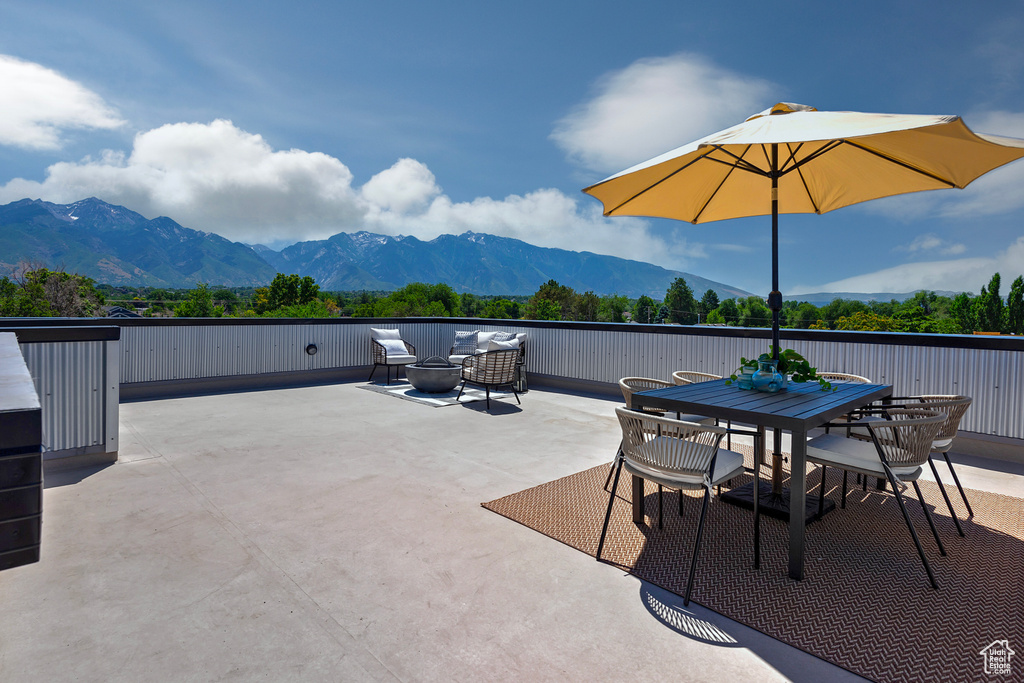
(801, 406)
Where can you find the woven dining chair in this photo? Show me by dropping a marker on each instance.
(843, 377)
(631, 385)
(682, 377)
(901, 442)
(680, 455)
(953, 406)
(692, 377)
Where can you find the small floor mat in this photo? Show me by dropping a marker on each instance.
(865, 603)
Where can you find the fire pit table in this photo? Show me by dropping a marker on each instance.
(434, 375)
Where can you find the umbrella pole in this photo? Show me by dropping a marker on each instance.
(775, 304)
(775, 296)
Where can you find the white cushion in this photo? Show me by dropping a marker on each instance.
(482, 340)
(939, 445)
(379, 334)
(835, 450)
(502, 345)
(521, 338)
(457, 358)
(393, 347)
(402, 359)
(728, 464)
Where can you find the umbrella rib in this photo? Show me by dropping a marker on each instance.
(739, 162)
(824, 149)
(896, 161)
(621, 204)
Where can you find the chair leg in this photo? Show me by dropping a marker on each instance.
(970, 512)
(460, 394)
(516, 393)
(757, 504)
(375, 366)
(821, 494)
(931, 522)
(696, 547)
(949, 504)
(913, 533)
(487, 389)
(608, 514)
(615, 461)
(844, 489)
(388, 368)
(661, 508)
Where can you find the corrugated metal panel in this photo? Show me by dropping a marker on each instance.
(70, 381)
(994, 378)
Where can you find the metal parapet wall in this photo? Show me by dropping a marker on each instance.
(77, 378)
(235, 353)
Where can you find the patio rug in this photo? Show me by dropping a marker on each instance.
(402, 389)
(865, 603)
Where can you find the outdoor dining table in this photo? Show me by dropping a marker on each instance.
(797, 410)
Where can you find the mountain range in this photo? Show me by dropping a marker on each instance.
(117, 246)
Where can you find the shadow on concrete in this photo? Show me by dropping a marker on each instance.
(71, 476)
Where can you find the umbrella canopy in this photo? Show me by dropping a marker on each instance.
(794, 159)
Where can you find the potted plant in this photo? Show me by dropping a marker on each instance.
(791, 364)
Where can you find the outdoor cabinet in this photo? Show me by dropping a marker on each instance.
(21, 460)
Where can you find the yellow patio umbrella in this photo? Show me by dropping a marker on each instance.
(795, 159)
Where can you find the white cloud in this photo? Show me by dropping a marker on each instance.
(932, 243)
(967, 275)
(218, 178)
(407, 186)
(39, 103)
(655, 105)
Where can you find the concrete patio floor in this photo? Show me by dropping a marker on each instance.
(332, 533)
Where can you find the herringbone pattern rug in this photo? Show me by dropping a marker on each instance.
(865, 604)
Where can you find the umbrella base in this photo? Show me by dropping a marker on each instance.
(774, 504)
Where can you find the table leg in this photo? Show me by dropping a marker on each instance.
(797, 503)
(638, 499)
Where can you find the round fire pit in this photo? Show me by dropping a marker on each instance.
(434, 375)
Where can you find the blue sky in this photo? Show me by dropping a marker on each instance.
(273, 122)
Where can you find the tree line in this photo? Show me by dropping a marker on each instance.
(39, 292)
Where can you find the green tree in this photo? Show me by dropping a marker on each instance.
(586, 307)
(472, 306)
(708, 302)
(729, 311)
(561, 296)
(682, 307)
(543, 309)
(715, 318)
(962, 312)
(1015, 307)
(868, 322)
(612, 308)
(197, 304)
(754, 313)
(841, 308)
(285, 290)
(988, 307)
(644, 310)
(501, 308)
(804, 315)
(49, 293)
